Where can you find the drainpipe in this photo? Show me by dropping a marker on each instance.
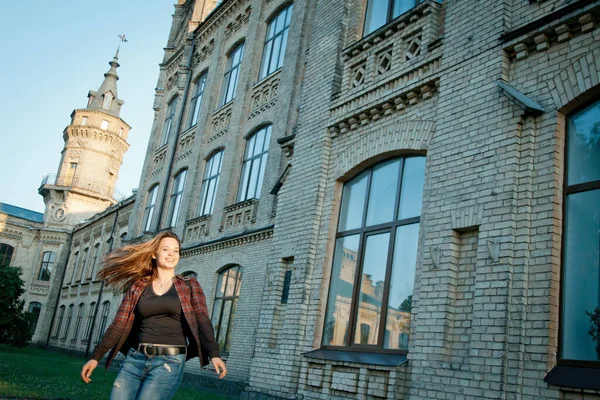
(112, 244)
(177, 131)
(62, 283)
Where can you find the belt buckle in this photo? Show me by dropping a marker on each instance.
(151, 347)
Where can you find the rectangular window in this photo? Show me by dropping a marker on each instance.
(47, 266)
(84, 121)
(169, 116)
(380, 12)
(104, 125)
(255, 162)
(580, 302)
(149, 210)
(176, 196)
(276, 42)
(373, 271)
(210, 184)
(230, 78)
(196, 100)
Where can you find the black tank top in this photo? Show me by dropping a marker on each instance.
(159, 318)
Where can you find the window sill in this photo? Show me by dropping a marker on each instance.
(574, 377)
(359, 357)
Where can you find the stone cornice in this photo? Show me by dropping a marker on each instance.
(228, 242)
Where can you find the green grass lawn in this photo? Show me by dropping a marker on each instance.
(40, 373)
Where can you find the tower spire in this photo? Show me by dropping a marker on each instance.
(106, 97)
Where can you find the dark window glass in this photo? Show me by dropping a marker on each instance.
(84, 261)
(47, 266)
(78, 322)
(287, 278)
(6, 253)
(581, 250)
(275, 43)
(34, 308)
(374, 261)
(255, 162)
(225, 305)
(88, 325)
(74, 266)
(59, 320)
(103, 320)
(95, 261)
(230, 79)
(68, 324)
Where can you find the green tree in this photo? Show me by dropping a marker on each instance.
(14, 322)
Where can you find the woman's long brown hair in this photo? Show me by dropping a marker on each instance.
(124, 266)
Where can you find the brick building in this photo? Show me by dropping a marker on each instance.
(385, 199)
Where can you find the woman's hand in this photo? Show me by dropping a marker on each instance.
(87, 369)
(220, 367)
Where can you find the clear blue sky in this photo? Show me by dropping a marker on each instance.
(53, 53)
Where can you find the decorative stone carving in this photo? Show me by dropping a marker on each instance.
(220, 122)
(240, 20)
(197, 228)
(240, 214)
(264, 94)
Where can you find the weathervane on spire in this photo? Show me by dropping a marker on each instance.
(122, 39)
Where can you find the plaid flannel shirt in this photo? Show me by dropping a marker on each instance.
(193, 303)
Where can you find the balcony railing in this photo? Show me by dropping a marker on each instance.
(92, 185)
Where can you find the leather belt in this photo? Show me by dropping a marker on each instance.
(150, 349)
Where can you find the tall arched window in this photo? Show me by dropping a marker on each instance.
(47, 265)
(176, 196)
(95, 260)
(75, 265)
(581, 236)
(373, 271)
(103, 320)
(275, 43)
(208, 193)
(59, 320)
(169, 117)
(78, 322)
(84, 262)
(6, 253)
(88, 325)
(34, 309)
(196, 100)
(225, 305)
(149, 210)
(68, 323)
(232, 71)
(255, 162)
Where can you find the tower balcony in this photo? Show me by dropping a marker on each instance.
(88, 186)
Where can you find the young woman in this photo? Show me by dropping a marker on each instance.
(162, 322)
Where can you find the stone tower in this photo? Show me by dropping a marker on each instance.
(95, 142)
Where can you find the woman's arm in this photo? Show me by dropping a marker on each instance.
(115, 330)
(205, 328)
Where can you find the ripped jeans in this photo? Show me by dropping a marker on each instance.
(147, 378)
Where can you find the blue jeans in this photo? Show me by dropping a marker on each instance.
(147, 378)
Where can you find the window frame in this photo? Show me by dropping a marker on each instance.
(102, 326)
(269, 40)
(149, 208)
(88, 327)
(68, 323)
(6, 252)
(47, 265)
(33, 306)
(389, 14)
(94, 264)
(86, 253)
(196, 101)
(59, 320)
(78, 322)
(226, 348)
(245, 180)
(75, 266)
(168, 123)
(176, 198)
(206, 182)
(577, 188)
(229, 69)
(363, 233)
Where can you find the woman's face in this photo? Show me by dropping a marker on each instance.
(167, 255)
